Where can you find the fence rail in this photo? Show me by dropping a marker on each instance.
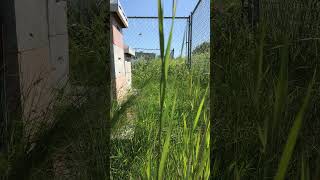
(155, 17)
(142, 34)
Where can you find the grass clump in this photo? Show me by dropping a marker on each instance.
(189, 149)
(170, 141)
(264, 115)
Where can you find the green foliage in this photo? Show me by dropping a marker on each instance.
(185, 153)
(289, 147)
(188, 154)
(164, 54)
(88, 48)
(202, 48)
(259, 77)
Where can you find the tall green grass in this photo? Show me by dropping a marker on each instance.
(265, 94)
(171, 137)
(164, 54)
(186, 126)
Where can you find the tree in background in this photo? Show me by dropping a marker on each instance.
(202, 48)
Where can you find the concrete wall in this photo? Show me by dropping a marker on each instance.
(128, 71)
(119, 72)
(120, 66)
(42, 40)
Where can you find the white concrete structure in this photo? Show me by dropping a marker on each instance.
(121, 69)
(35, 53)
(116, 7)
(129, 55)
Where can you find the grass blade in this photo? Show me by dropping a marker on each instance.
(199, 110)
(164, 70)
(164, 154)
(303, 176)
(167, 55)
(282, 86)
(161, 35)
(260, 63)
(148, 169)
(291, 141)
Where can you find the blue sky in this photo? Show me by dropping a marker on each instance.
(143, 33)
(149, 7)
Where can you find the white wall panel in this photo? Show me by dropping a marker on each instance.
(57, 13)
(59, 59)
(31, 24)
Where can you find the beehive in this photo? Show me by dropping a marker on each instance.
(121, 69)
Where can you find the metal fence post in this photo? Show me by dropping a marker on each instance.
(189, 41)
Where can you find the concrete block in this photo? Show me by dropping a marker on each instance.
(57, 13)
(120, 82)
(31, 24)
(35, 82)
(128, 73)
(119, 66)
(121, 87)
(128, 67)
(129, 51)
(129, 80)
(59, 60)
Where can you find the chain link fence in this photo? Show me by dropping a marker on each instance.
(199, 30)
(301, 17)
(142, 35)
(200, 24)
(191, 34)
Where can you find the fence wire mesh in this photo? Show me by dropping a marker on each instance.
(200, 19)
(142, 35)
(191, 34)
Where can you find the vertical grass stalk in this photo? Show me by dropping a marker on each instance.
(164, 54)
(293, 135)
